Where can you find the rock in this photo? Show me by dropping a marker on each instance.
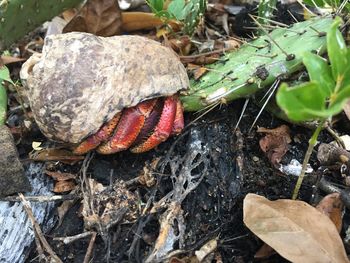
(16, 230)
(12, 178)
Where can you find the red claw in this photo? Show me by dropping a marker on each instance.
(128, 128)
(95, 140)
(179, 122)
(163, 129)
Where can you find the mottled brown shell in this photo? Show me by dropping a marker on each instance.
(80, 80)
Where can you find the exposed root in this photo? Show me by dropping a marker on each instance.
(186, 174)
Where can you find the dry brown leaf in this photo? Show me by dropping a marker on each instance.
(8, 59)
(133, 21)
(64, 186)
(265, 251)
(332, 206)
(275, 143)
(58, 176)
(346, 109)
(296, 230)
(99, 17)
(55, 155)
(69, 14)
(196, 70)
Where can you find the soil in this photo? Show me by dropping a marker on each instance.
(213, 210)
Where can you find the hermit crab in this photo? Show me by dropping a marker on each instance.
(108, 94)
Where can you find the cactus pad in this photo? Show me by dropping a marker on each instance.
(257, 64)
(18, 17)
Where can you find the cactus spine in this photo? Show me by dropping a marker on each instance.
(257, 64)
(18, 17)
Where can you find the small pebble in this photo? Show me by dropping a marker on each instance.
(255, 159)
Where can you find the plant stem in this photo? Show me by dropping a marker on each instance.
(3, 104)
(312, 143)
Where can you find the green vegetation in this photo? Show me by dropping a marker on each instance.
(188, 13)
(19, 17)
(4, 76)
(326, 92)
(257, 64)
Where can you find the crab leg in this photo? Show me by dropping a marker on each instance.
(102, 135)
(163, 129)
(150, 123)
(128, 128)
(179, 122)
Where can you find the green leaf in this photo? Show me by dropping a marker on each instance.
(318, 3)
(156, 5)
(5, 74)
(341, 97)
(320, 72)
(176, 8)
(346, 80)
(3, 104)
(164, 14)
(337, 51)
(302, 102)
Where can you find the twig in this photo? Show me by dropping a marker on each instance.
(90, 247)
(70, 239)
(41, 198)
(185, 59)
(329, 188)
(334, 134)
(37, 229)
(39, 248)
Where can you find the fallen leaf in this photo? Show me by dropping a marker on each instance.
(265, 251)
(296, 230)
(332, 206)
(53, 154)
(133, 21)
(58, 176)
(64, 186)
(69, 14)
(8, 59)
(346, 109)
(99, 17)
(181, 45)
(275, 143)
(197, 70)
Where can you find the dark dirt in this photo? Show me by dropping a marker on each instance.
(213, 209)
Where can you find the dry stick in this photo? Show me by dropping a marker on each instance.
(37, 229)
(334, 134)
(90, 247)
(70, 239)
(186, 59)
(312, 143)
(39, 248)
(41, 198)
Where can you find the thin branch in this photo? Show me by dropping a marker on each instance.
(37, 229)
(90, 247)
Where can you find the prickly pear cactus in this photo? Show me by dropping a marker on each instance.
(18, 17)
(257, 64)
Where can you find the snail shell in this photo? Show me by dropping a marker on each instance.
(81, 80)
